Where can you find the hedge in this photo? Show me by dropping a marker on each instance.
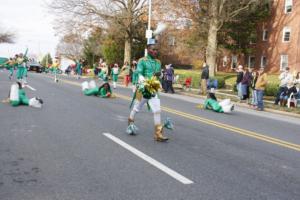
(271, 89)
(196, 80)
(221, 81)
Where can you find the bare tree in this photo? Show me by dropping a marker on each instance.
(210, 15)
(6, 38)
(125, 14)
(221, 11)
(70, 46)
(185, 27)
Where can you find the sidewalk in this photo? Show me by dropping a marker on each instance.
(195, 93)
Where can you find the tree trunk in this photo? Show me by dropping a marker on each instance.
(211, 49)
(127, 50)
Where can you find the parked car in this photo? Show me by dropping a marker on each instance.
(35, 66)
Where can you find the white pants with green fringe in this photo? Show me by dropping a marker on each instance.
(154, 104)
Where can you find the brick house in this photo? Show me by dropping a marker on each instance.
(277, 45)
(174, 48)
(278, 41)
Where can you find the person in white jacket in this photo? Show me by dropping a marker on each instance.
(285, 77)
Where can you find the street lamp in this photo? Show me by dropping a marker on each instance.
(149, 32)
(149, 14)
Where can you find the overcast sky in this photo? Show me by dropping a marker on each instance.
(32, 24)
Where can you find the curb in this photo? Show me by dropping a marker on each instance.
(244, 106)
(203, 97)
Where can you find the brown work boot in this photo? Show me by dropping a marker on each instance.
(158, 136)
(130, 121)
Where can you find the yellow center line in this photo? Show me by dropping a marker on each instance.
(234, 129)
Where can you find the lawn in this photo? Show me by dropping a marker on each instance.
(272, 79)
(195, 74)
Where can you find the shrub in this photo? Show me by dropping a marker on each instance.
(271, 89)
(221, 81)
(234, 87)
(197, 64)
(196, 78)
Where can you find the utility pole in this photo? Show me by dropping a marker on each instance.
(149, 32)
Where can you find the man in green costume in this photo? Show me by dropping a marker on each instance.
(55, 68)
(148, 67)
(135, 75)
(10, 66)
(17, 96)
(211, 103)
(103, 75)
(115, 75)
(21, 69)
(78, 68)
(90, 89)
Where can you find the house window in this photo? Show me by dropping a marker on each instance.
(288, 6)
(225, 59)
(252, 38)
(251, 61)
(171, 41)
(263, 61)
(265, 35)
(284, 61)
(286, 34)
(233, 62)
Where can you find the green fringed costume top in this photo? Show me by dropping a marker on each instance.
(147, 67)
(212, 104)
(96, 92)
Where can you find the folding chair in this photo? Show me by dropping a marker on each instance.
(292, 101)
(212, 83)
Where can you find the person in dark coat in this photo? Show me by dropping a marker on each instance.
(169, 77)
(204, 78)
(239, 78)
(246, 81)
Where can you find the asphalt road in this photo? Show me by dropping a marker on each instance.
(68, 150)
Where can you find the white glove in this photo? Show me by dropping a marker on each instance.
(35, 102)
(85, 85)
(92, 84)
(141, 79)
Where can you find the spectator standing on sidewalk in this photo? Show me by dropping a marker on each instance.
(239, 78)
(169, 77)
(254, 76)
(163, 79)
(246, 80)
(126, 69)
(285, 77)
(204, 78)
(260, 87)
(297, 84)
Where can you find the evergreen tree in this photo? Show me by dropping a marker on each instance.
(92, 47)
(47, 59)
(238, 35)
